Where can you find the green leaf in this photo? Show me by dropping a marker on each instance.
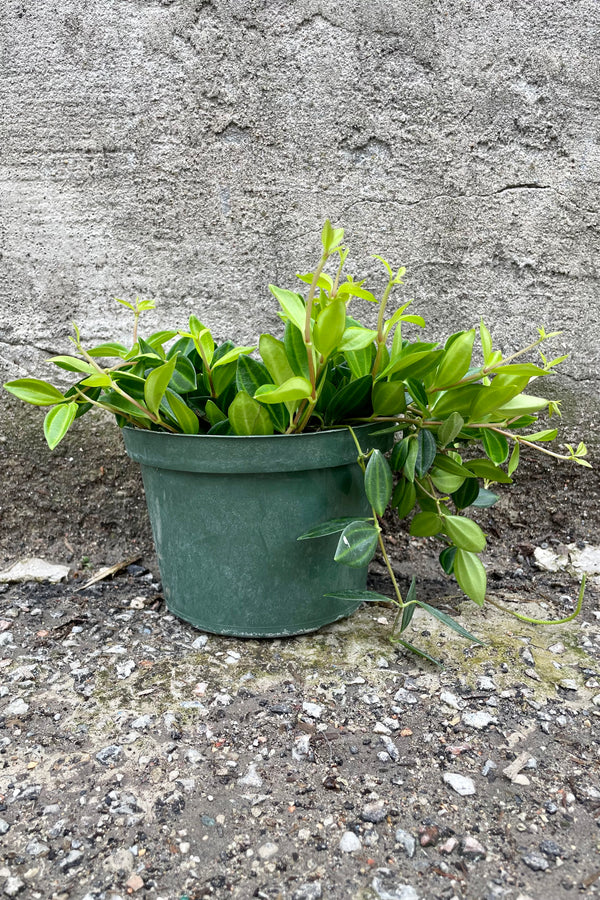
(357, 544)
(425, 524)
(456, 360)
(232, 355)
(485, 498)
(502, 389)
(329, 328)
(221, 428)
(157, 383)
(213, 413)
(291, 390)
(332, 526)
(447, 559)
(417, 391)
(459, 399)
(486, 342)
(109, 350)
(417, 651)
(57, 422)
(447, 463)
(411, 457)
(529, 369)
(470, 575)
(351, 401)
(356, 339)
(378, 482)
(495, 445)
(514, 459)
(183, 380)
(426, 451)
(331, 237)
(324, 282)
(449, 621)
(72, 364)
(359, 596)
(464, 533)
(414, 363)
(247, 416)
(360, 362)
(445, 482)
(353, 289)
(203, 340)
(522, 405)
(121, 405)
(484, 468)
(34, 391)
(183, 415)
(250, 375)
(404, 497)
(388, 398)
(292, 305)
(450, 428)
(295, 350)
(410, 605)
(548, 435)
(399, 454)
(158, 338)
(275, 359)
(466, 494)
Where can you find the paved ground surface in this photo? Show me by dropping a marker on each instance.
(141, 757)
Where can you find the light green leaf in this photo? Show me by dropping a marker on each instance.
(470, 575)
(324, 281)
(275, 358)
(548, 435)
(514, 459)
(450, 428)
(464, 533)
(495, 446)
(356, 339)
(213, 413)
(329, 327)
(57, 422)
(357, 544)
(293, 389)
(34, 391)
(449, 621)
(246, 416)
(72, 364)
(157, 383)
(232, 355)
(292, 305)
(388, 398)
(425, 524)
(378, 482)
(331, 237)
(109, 350)
(484, 468)
(456, 360)
(185, 417)
(486, 342)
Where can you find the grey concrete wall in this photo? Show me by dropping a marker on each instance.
(189, 151)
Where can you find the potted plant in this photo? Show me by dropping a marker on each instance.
(248, 453)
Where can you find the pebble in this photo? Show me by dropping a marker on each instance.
(404, 696)
(312, 890)
(13, 886)
(120, 861)
(200, 642)
(374, 812)
(134, 883)
(470, 848)
(142, 722)
(485, 683)
(110, 754)
(479, 720)
(449, 846)
(312, 709)
(462, 784)
(551, 849)
(452, 700)
(349, 842)
(267, 850)
(390, 747)
(535, 862)
(488, 767)
(71, 859)
(568, 684)
(395, 892)
(406, 840)
(18, 707)
(4, 826)
(251, 778)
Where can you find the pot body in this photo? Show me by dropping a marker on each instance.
(226, 513)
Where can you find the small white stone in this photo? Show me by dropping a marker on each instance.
(350, 842)
(268, 850)
(451, 700)
(479, 720)
(312, 709)
(569, 684)
(459, 783)
(16, 708)
(251, 778)
(200, 642)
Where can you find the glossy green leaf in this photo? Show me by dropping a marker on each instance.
(183, 380)
(231, 356)
(292, 305)
(329, 328)
(549, 434)
(72, 364)
(521, 406)
(221, 428)
(399, 454)
(502, 390)
(332, 526)
(291, 390)
(514, 459)
(158, 338)
(34, 391)
(529, 369)
(447, 463)
(275, 359)
(360, 362)
(57, 422)
(251, 374)
(203, 340)
(460, 400)
(466, 493)
(426, 451)
(213, 413)
(446, 558)
(356, 339)
(351, 401)
(388, 398)
(485, 498)
(324, 281)
(295, 350)
(417, 391)
(353, 289)
(470, 575)
(357, 544)
(414, 363)
(109, 350)
(484, 468)
(410, 606)
(464, 533)
(445, 482)
(157, 383)
(486, 342)
(404, 497)
(247, 416)
(183, 415)
(449, 621)
(450, 428)
(456, 360)
(378, 482)
(495, 446)
(123, 405)
(331, 237)
(425, 524)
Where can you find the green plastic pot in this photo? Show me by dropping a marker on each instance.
(226, 513)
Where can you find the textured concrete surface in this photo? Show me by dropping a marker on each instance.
(189, 151)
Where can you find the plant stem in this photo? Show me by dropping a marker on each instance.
(532, 621)
(381, 338)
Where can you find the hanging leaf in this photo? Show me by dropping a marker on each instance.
(109, 350)
(464, 533)
(34, 391)
(404, 497)
(495, 445)
(514, 459)
(57, 423)
(357, 544)
(378, 482)
(425, 524)
(292, 390)
(399, 454)
(470, 575)
(446, 559)
(426, 451)
(417, 391)
(449, 621)
(466, 494)
(484, 468)
(485, 498)
(157, 383)
(411, 458)
(410, 606)
(450, 428)
(417, 651)
(72, 364)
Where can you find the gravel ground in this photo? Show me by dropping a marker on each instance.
(141, 757)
